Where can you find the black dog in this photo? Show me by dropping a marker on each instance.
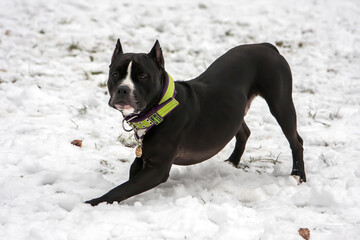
(193, 120)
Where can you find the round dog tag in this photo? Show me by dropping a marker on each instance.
(138, 151)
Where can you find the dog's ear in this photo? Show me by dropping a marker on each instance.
(118, 50)
(156, 54)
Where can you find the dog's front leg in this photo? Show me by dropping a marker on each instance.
(136, 167)
(148, 177)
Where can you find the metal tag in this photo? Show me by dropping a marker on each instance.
(138, 151)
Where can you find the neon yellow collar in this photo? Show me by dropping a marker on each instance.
(141, 124)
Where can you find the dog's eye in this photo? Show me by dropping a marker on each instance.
(142, 76)
(115, 74)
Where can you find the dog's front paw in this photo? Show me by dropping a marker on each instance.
(95, 201)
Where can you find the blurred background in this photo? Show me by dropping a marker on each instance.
(54, 58)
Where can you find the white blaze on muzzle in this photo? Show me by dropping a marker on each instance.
(127, 109)
(128, 81)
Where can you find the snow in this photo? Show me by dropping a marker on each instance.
(53, 66)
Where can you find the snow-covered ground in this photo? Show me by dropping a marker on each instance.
(54, 57)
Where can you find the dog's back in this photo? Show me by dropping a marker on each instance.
(220, 97)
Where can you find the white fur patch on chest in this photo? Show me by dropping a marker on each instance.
(127, 112)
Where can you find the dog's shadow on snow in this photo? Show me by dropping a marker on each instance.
(209, 181)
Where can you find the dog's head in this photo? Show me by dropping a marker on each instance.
(136, 80)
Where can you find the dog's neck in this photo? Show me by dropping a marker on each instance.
(143, 122)
(164, 78)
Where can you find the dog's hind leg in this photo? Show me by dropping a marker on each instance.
(241, 137)
(275, 86)
(282, 108)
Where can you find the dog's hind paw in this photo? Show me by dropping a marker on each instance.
(231, 163)
(299, 176)
(297, 179)
(238, 166)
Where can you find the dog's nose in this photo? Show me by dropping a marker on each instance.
(123, 90)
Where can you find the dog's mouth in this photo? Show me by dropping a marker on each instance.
(126, 107)
(123, 107)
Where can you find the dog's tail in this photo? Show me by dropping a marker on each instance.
(271, 46)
